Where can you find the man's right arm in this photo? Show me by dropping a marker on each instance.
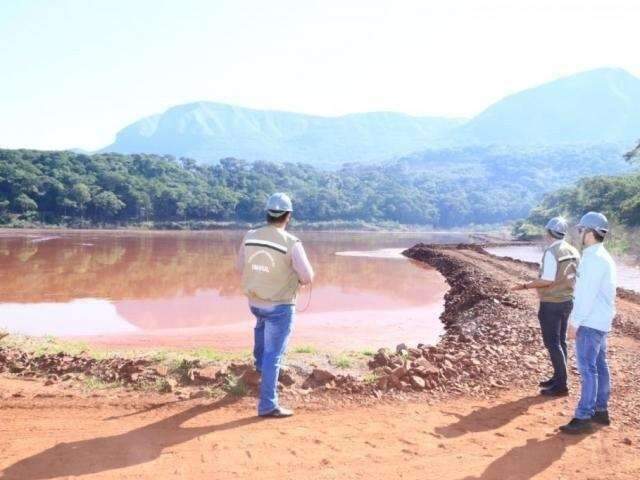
(549, 269)
(301, 264)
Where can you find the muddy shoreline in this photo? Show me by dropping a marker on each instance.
(464, 361)
(491, 342)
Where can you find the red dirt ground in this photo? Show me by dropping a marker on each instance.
(511, 437)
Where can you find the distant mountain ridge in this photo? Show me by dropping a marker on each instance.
(209, 131)
(596, 107)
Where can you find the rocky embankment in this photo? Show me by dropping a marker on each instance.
(490, 341)
(188, 378)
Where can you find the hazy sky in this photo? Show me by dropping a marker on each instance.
(74, 72)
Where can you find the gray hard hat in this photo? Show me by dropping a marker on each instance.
(279, 203)
(595, 221)
(557, 225)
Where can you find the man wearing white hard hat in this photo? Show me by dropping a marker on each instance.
(274, 265)
(590, 324)
(555, 286)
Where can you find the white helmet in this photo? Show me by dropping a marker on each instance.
(278, 203)
(595, 221)
(557, 226)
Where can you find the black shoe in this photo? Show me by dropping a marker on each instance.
(548, 383)
(279, 412)
(555, 392)
(577, 426)
(601, 418)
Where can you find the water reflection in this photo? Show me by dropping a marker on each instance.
(184, 285)
(61, 319)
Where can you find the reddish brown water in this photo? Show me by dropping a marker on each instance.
(180, 288)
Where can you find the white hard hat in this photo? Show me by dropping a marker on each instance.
(595, 221)
(557, 225)
(279, 203)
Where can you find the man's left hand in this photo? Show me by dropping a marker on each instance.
(571, 332)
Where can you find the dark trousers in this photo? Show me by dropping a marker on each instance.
(554, 318)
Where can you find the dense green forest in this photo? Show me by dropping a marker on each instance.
(446, 188)
(618, 197)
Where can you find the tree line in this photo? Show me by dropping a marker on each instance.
(618, 197)
(441, 189)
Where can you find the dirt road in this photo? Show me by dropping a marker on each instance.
(510, 437)
(47, 432)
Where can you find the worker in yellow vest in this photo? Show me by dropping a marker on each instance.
(555, 285)
(274, 265)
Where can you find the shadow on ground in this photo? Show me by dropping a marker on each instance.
(527, 461)
(102, 454)
(485, 419)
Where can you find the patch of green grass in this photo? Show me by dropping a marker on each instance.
(94, 383)
(240, 356)
(50, 345)
(215, 392)
(305, 349)
(367, 352)
(72, 348)
(208, 354)
(162, 385)
(341, 361)
(180, 368)
(173, 358)
(105, 354)
(158, 356)
(235, 386)
(370, 378)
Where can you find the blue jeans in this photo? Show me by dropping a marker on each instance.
(271, 334)
(591, 353)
